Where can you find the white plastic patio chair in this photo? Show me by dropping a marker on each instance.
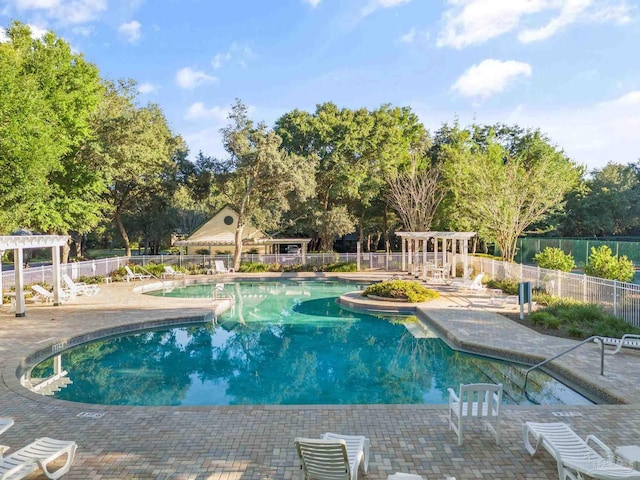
(79, 288)
(44, 295)
(332, 457)
(476, 400)
(169, 272)
(133, 276)
(220, 268)
(38, 454)
(575, 457)
(475, 284)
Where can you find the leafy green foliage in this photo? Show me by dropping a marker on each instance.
(341, 267)
(581, 320)
(555, 259)
(253, 267)
(602, 263)
(510, 287)
(414, 292)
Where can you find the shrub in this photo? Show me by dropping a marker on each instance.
(90, 279)
(412, 291)
(510, 287)
(602, 263)
(253, 267)
(555, 259)
(340, 267)
(202, 251)
(545, 319)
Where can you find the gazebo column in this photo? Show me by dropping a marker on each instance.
(304, 253)
(55, 257)
(404, 249)
(465, 255)
(424, 259)
(18, 258)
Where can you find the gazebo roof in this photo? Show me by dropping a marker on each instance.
(32, 241)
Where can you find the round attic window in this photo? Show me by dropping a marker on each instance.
(228, 220)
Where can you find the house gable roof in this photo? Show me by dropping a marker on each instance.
(221, 230)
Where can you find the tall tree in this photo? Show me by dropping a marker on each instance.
(47, 97)
(258, 176)
(508, 190)
(608, 203)
(136, 151)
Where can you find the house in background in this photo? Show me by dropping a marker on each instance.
(218, 236)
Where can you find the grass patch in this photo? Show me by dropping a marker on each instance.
(580, 320)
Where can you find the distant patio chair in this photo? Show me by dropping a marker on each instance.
(80, 288)
(220, 268)
(44, 295)
(475, 284)
(135, 276)
(169, 272)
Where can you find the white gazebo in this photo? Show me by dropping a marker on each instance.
(449, 249)
(18, 243)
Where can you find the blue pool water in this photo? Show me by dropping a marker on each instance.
(284, 343)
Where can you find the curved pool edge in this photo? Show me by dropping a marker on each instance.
(562, 373)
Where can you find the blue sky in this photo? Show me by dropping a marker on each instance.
(568, 67)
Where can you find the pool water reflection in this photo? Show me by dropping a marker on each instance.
(284, 343)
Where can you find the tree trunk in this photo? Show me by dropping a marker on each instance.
(65, 253)
(237, 254)
(123, 234)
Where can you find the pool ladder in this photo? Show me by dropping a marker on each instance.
(544, 362)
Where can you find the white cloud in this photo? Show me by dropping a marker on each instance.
(375, 5)
(313, 3)
(489, 77)
(145, 88)
(189, 78)
(83, 31)
(475, 21)
(131, 30)
(238, 53)
(197, 111)
(63, 11)
(36, 32)
(414, 36)
(220, 59)
(570, 12)
(469, 22)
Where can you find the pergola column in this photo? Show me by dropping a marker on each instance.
(18, 257)
(55, 258)
(404, 249)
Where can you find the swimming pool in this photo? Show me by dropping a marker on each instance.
(284, 343)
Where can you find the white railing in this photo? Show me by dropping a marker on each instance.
(618, 298)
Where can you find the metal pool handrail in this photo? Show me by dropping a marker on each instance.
(544, 362)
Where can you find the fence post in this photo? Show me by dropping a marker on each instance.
(615, 298)
(584, 287)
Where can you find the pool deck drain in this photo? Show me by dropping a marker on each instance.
(256, 442)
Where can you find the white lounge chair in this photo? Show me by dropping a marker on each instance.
(220, 268)
(333, 457)
(133, 276)
(475, 284)
(169, 272)
(80, 288)
(39, 454)
(44, 295)
(476, 400)
(574, 455)
(628, 340)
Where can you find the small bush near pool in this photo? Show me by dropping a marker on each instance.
(413, 291)
(580, 320)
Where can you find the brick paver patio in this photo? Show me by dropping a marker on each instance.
(256, 442)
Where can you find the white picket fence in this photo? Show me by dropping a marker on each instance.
(618, 298)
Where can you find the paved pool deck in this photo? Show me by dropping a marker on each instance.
(256, 442)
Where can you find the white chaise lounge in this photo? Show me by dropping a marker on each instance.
(79, 288)
(38, 454)
(575, 457)
(628, 340)
(135, 276)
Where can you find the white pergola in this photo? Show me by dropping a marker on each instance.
(19, 243)
(449, 248)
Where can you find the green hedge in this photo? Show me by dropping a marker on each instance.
(414, 292)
